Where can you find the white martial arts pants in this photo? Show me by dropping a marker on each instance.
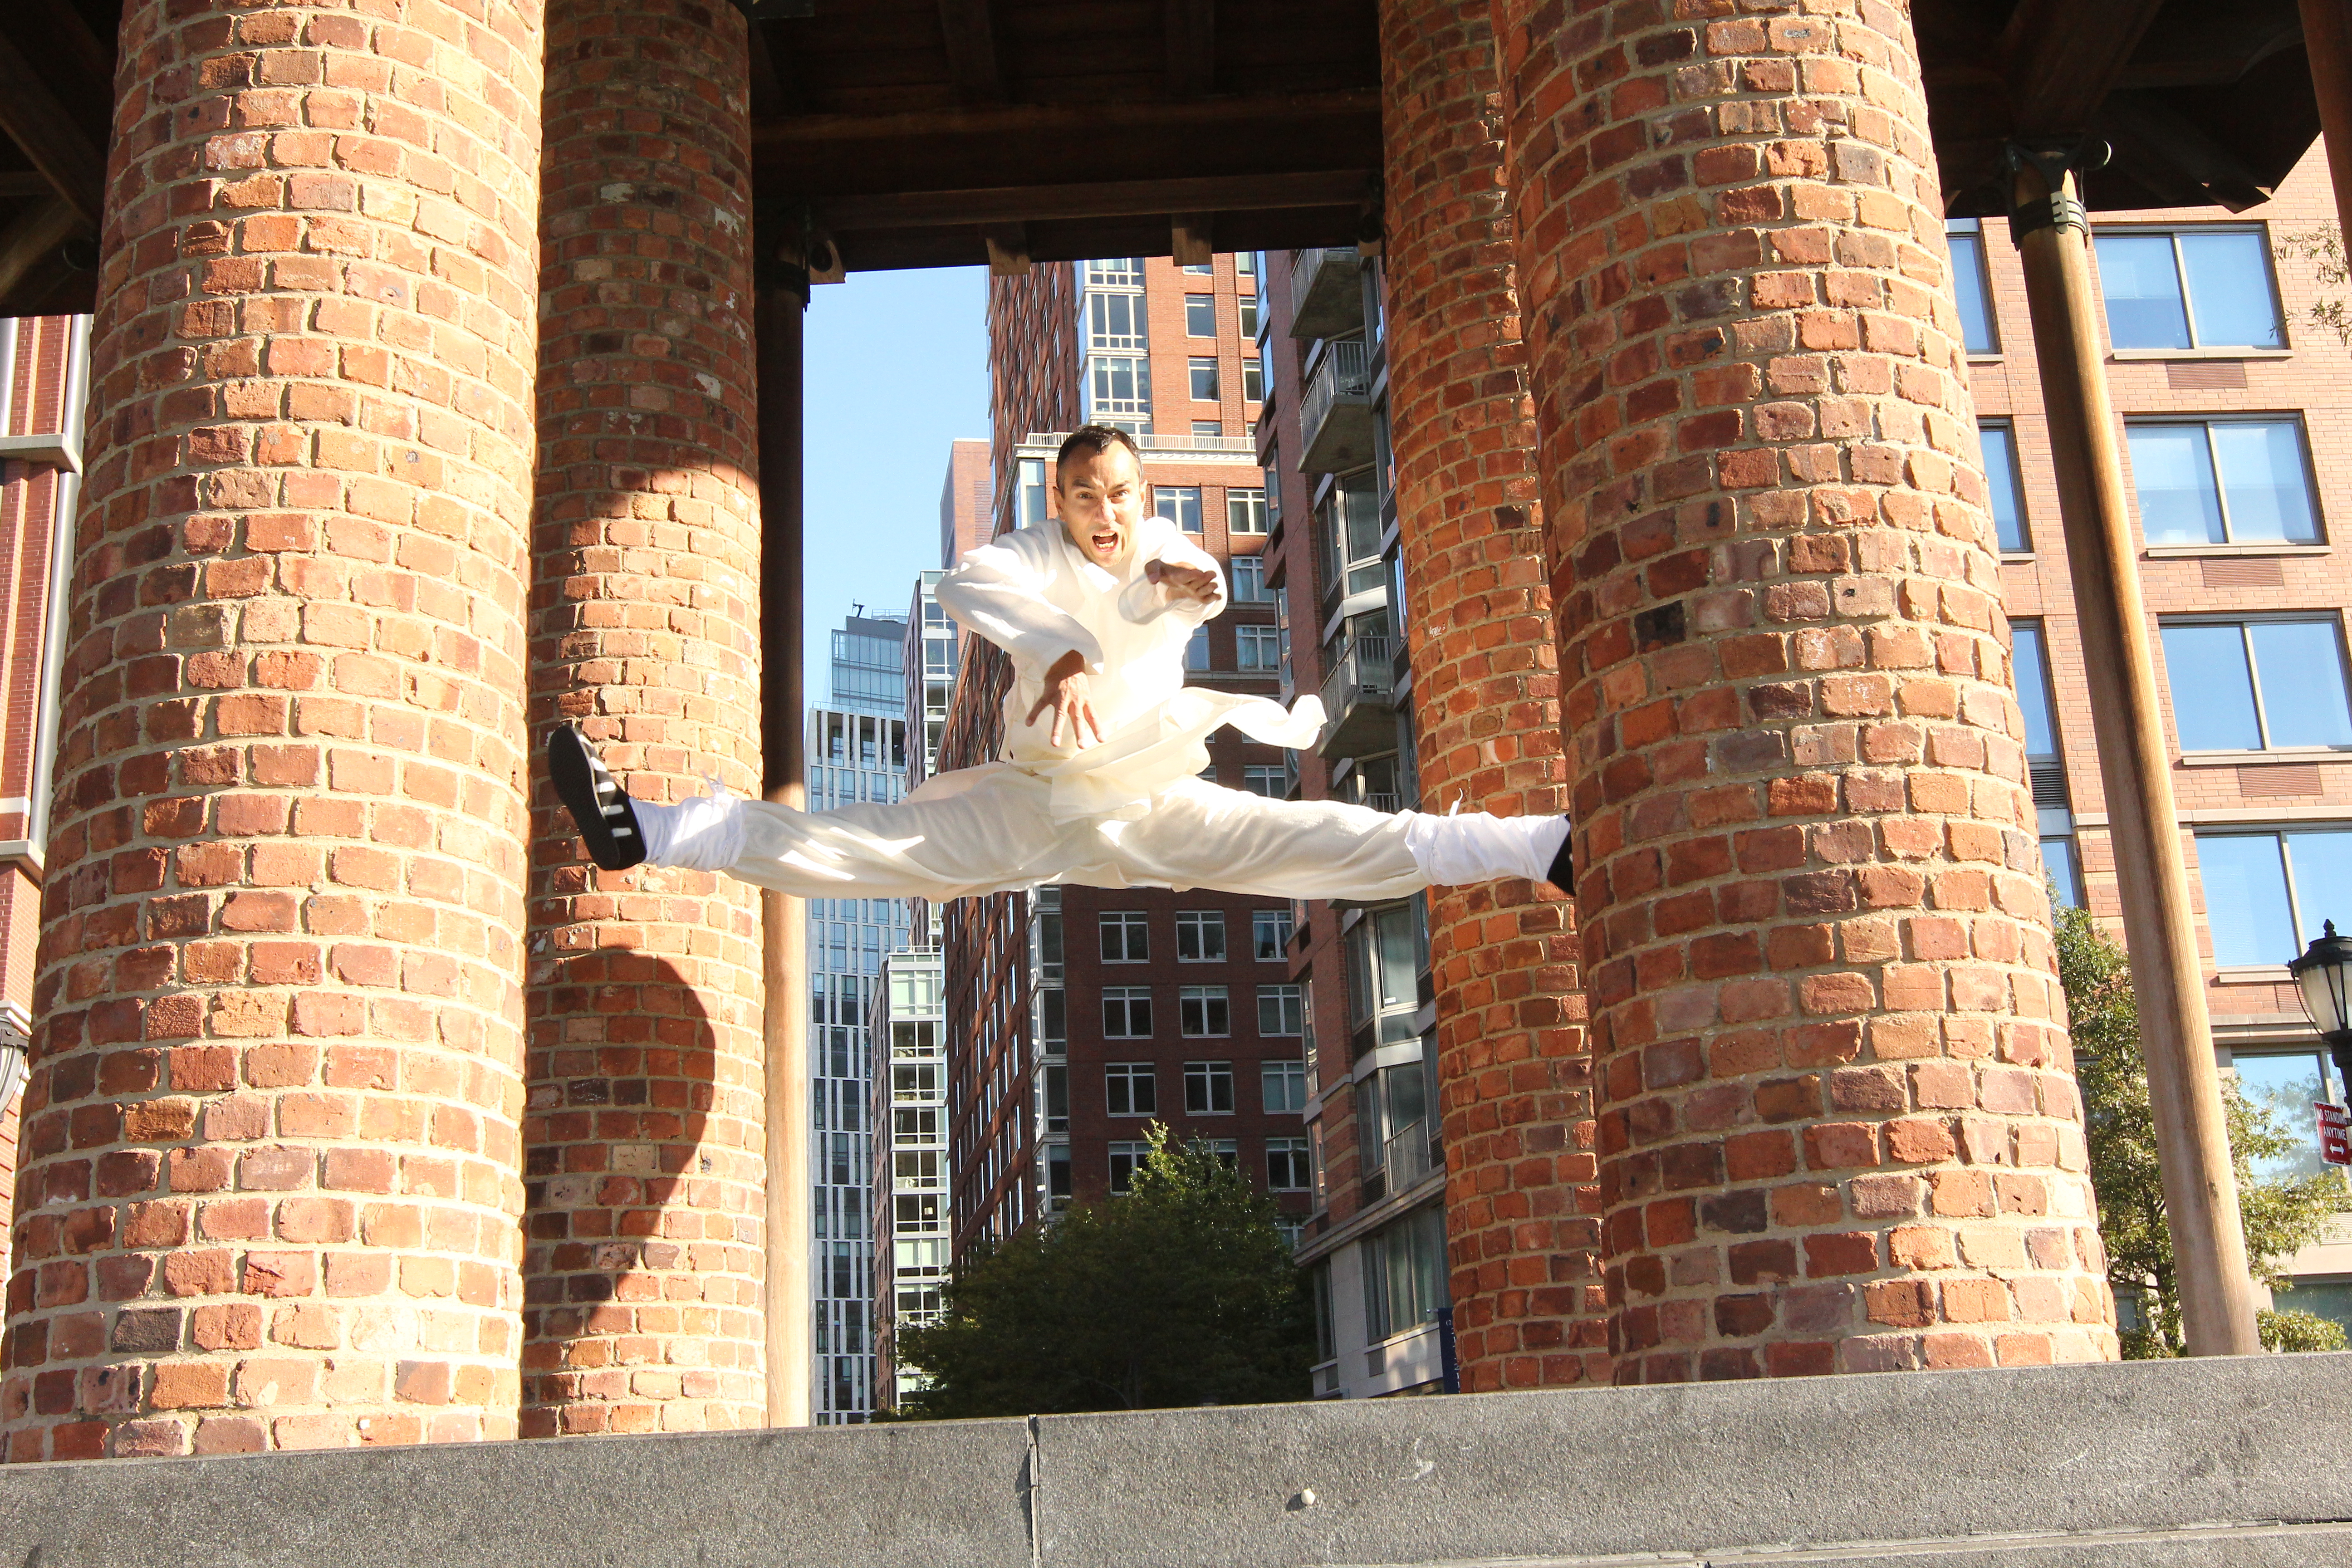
(987, 829)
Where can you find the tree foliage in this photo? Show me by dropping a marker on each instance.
(2323, 245)
(1182, 1292)
(2282, 1214)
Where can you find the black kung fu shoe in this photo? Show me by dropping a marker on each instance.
(600, 808)
(1563, 864)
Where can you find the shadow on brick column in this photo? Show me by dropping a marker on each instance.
(1839, 1126)
(270, 1187)
(1516, 1085)
(644, 1133)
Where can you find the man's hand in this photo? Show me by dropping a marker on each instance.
(1184, 582)
(1068, 695)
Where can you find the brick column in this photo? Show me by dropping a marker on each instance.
(270, 1188)
(643, 1144)
(1839, 1128)
(1516, 1083)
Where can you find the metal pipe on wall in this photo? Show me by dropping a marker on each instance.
(784, 920)
(2052, 235)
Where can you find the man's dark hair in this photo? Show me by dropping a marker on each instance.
(1088, 440)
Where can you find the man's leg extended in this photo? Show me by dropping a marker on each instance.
(1200, 836)
(973, 832)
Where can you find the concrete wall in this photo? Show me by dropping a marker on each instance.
(2231, 1464)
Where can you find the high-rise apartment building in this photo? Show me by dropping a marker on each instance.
(857, 753)
(908, 1043)
(1077, 1016)
(967, 500)
(43, 360)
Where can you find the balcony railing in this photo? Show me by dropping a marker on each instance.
(1358, 700)
(1326, 295)
(1335, 416)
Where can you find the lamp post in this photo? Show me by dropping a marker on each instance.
(2324, 974)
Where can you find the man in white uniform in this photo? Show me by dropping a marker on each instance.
(1104, 743)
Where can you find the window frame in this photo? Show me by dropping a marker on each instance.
(2007, 426)
(1134, 928)
(1245, 510)
(1211, 1001)
(1280, 993)
(2277, 833)
(1195, 367)
(1129, 998)
(1972, 230)
(1265, 642)
(1253, 590)
(1298, 1162)
(2333, 620)
(1201, 923)
(1208, 1075)
(1129, 1076)
(1192, 301)
(1286, 924)
(2173, 231)
(1292, 1072)
(1261, 772)
(2229, 542)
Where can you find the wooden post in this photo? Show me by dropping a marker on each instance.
(784, 920)
(2328, 41)
(2201, 1191)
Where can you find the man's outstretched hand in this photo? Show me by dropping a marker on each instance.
(1072, 700)
(1188, 581)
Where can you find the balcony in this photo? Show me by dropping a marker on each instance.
(1359, 699)
(1335, 416)
(1327, 293)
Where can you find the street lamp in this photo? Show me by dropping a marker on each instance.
(2325, 974)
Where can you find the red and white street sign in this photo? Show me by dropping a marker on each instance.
(2335, 1134)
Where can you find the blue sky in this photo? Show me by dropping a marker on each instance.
(897, 368)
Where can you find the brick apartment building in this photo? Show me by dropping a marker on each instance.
(1078, 1017)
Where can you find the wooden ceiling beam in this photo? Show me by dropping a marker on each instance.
(2064, 57)
(970, 29)
(2156, 141)
(1012, 204)
(1191, 47)
(33, 239)
(52, 141)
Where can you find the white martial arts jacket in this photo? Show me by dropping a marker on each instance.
(1032, 594)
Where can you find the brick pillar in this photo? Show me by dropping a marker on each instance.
(1516, 1083)
(1838, 1125)
(643, 1141)
(271, 1189)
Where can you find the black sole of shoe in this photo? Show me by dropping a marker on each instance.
(1563, 865)
(582, 784)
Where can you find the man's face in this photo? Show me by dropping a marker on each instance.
(1100, 497)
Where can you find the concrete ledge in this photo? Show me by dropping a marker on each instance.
(2218, 1464)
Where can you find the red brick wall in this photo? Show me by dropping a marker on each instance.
(1515, 1071)
(1839, 1126)
(644, 1138)
(271, 1156)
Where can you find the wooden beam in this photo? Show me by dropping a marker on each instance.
(818, 155)
(16, 184)
(1191, 47)
(33, 239)
(51, 139)
(2064, 56)
(2153, 140)
(970, 27)
(1117, 198)
(1008, 250)
(1192, 239)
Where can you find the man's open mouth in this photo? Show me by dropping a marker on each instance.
(1106, 544)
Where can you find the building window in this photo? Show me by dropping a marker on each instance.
(1284, 1085)
(2287, 1084)
(1058, 1098)
(1196, 650)
(1057, 1170)
(1203, 371)
(1281, 1010)
(2255, 686)
(1203, 1012)
(1120, 271)
(1248, 573)
(1249, 315)
(1200, 936)
(1404, 1274)
(1208, 427)
(2222, 481)
(2189, 288)
(1273, 492)
(1245, 511)
(1179, 504)
(1131, 1089)
(2005, 493)
(1263, 779)
(1116, 324)
(1197, 268)
(2267, 893)
(1245, 263)
(1270, 934)
(1031, 501)
(1127, 1013)
(1126, 1159)
(2045, 769)
(1258, 648)
(1286, 1166)
(1118, 387)
(1208, 1089)
(1383, 964)
(1200, 315)
(1126, 937)
(1253, 381)
(1972, 286)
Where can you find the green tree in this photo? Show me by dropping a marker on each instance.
(1182, 1292)
(2282, 1214)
